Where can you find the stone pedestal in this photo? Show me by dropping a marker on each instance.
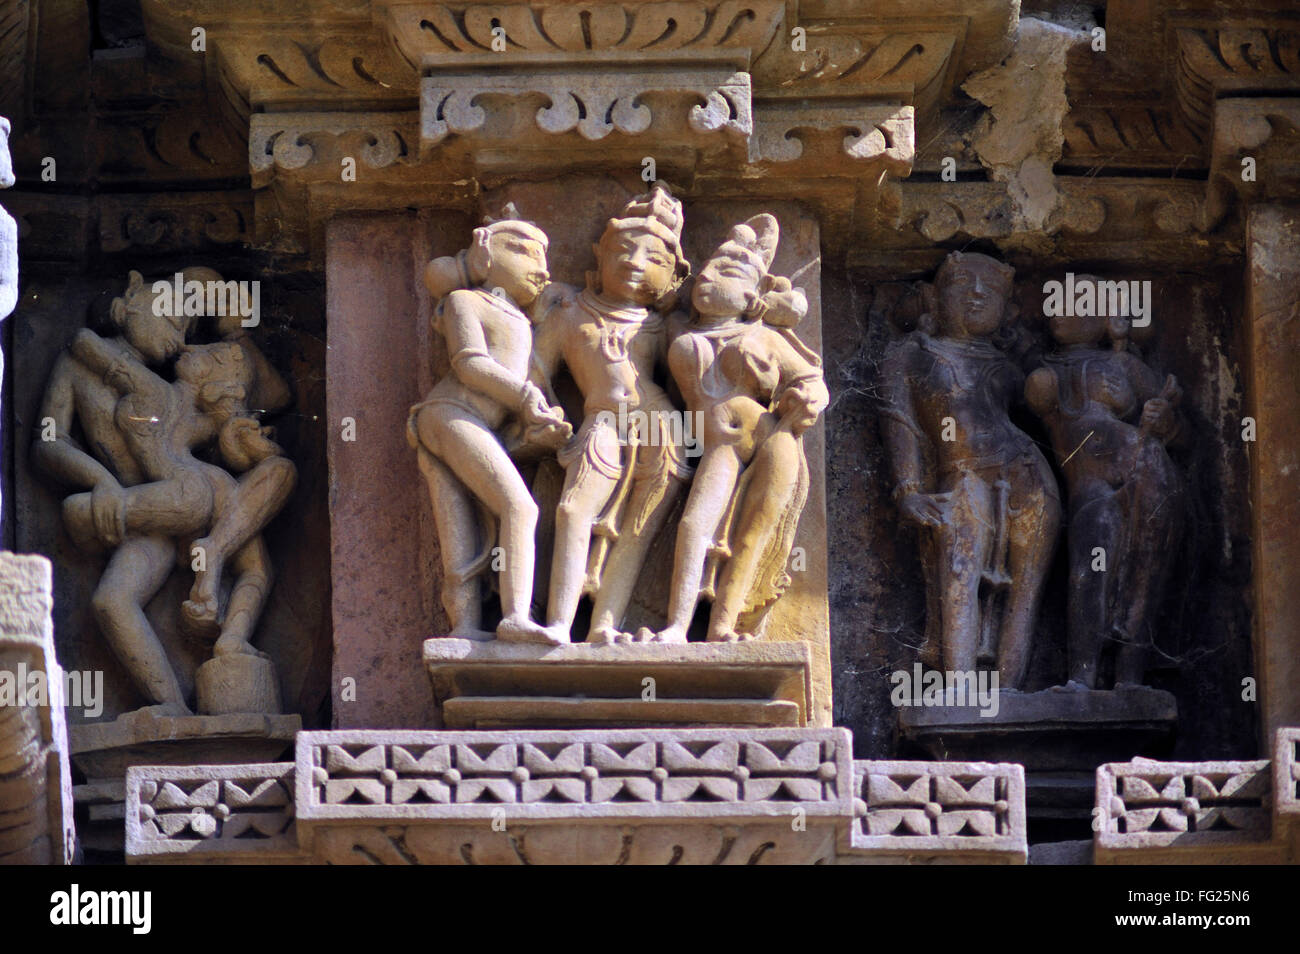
(1059, 736)
(1051, 730)
(503, 685)
(237, 683)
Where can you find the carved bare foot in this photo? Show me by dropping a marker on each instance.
(603, 636)
(723, 636)
(515, 629)
(673, 634)
(230, 645)
(207, 581)
(201, 620)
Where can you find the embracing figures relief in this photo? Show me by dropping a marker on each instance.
(987, 502)
(698, 414)
(161, 443)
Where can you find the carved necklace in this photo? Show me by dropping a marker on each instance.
(618, 326)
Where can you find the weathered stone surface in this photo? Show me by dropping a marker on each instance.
(384, 556)
(232, 814)
(940, 811)
(1052, 729)
(104, 750)
(1274, 402)
(1145, 804)
(608, 684)
(712, 796)
(35, 777)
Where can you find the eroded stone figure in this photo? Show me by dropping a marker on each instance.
(758, 389)
(1110, 418)
(479, 499)
(988, 506)
(618, 489)
(148, 496)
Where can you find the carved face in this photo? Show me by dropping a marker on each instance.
(973, 296)
(728, 284)
(218, 372)
(6, 165)
(517, 265)
(158, 337)
(1077, 329)
(635, 267)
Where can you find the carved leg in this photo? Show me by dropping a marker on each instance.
(652, 504)
(965, 541)
(476, 457)
(1155, 542)
(715, 482)
(1035, 519)
(773, 481)
(135, 573)
(248, 506)
(459, 538)
(1096, 524)
(254, 576)
(586, 491)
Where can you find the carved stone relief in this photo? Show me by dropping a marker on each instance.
(126, 438)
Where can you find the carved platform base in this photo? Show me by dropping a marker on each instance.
(104, 751)
(606, 796)
(1051, 730)
(510, 685)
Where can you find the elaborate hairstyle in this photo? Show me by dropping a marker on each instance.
(658, 213)
(754, 241)
(468, 268)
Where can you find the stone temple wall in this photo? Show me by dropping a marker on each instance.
(884, 174)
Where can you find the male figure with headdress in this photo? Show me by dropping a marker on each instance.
(478, 495)
(978, 487)
(758, 388)
(611, 336)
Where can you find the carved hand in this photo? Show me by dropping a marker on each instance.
(921, 509)
(804, 404)
(108, 510)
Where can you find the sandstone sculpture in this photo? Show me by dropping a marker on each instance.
(148, 497)
(1110, 418)
(757, 389)
(458, 429)
(612, 335)
(989, 509)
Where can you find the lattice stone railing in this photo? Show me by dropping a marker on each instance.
(211, 812)
(1149, 804)
(940, 807)
(652, 796)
